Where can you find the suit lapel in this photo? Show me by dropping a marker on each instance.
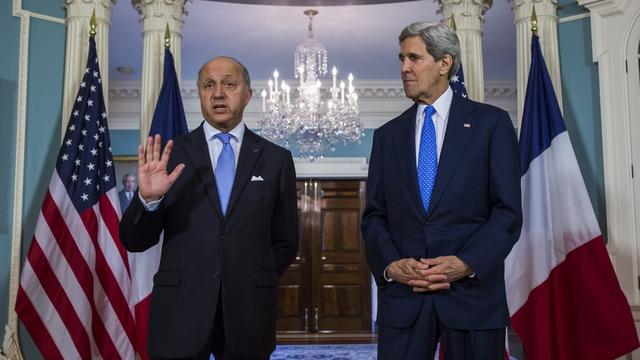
(249, 153)
(404, 139)
(455, 140)
(198, 152)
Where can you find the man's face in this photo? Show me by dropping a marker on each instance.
(424, 79)
(223, 93)
(129, 183)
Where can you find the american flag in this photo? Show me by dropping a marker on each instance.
(75, 289)
(457, 83)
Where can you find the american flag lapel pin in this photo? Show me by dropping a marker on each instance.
(467, 125)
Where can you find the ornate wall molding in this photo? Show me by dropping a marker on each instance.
(332, 167)
(380, 101)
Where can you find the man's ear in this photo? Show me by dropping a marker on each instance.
(248, 95)
(445, 64)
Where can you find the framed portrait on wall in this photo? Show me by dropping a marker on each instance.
(125, 165)
(126, 168)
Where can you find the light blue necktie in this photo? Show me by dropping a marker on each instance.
(225, 170)
(427, 157)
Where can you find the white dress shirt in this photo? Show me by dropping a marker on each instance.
(215, 148)
(440, 118)
(215, 145)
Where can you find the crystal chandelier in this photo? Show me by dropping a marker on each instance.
(316, 120)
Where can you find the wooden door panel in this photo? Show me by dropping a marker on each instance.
(329, 268)
(289, 301)
(341, 288)
(327, 288)
(337, 300)
(341, 278)
(341, 230)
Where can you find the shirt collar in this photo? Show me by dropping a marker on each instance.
(210, 131)
(442, 104)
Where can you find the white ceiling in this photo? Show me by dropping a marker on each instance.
(362, 39)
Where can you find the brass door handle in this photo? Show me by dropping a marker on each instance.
(323, 258)
(300, 259)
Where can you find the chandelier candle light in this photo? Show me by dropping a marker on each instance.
(310, 123)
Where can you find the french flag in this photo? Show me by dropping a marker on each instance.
(170, 122)
(564, 298)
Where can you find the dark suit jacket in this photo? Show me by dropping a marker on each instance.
(204, 254)
(124, 202)
(475, 213)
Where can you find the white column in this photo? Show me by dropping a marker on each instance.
(77, 47)
(155, 15)
(469, 16)
(548, 34)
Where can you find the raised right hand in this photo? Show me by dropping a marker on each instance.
(153, 180)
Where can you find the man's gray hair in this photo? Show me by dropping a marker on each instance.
(245, 72)
(440, 40)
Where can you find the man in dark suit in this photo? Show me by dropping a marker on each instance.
(226, 201)
(443, 210)
(128, 188)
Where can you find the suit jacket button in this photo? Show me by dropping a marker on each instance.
(216, 275)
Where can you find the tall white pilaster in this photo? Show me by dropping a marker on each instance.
(77, 47)
(155, 15)
(469, 17)
(615, 40)
(548, 33)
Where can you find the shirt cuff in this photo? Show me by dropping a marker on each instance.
(151, 205)
(384, 274)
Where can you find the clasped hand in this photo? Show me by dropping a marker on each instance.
(153, 179)
(431, 274)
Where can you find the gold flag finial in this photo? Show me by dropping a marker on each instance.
(167, 37)
(452, 24)
(93, 23)
(534, 20)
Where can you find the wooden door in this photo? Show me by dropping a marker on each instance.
(328, 288)
(341, 289)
